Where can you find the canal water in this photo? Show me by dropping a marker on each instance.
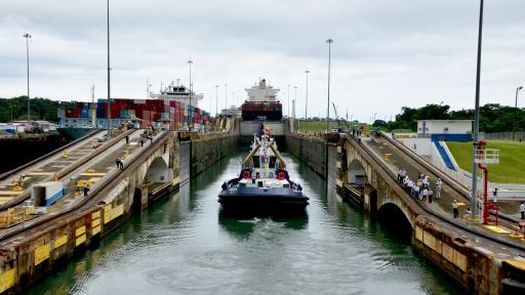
(183, 245)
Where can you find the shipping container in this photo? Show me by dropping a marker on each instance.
(46, 193)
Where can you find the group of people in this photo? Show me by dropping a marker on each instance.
(419, 189)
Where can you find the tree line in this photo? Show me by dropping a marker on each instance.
(493, 117)
(15, 108)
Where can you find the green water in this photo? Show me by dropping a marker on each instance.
(182, 245)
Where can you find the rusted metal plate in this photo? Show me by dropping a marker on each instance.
(59, 242)
(41, 253)
(7, 279)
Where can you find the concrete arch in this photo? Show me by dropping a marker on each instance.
(159, 172)
(395, 219)
(356, 173)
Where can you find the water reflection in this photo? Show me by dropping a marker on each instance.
(183, 244)
(242, 226)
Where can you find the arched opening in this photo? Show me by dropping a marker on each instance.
(158, 171)
(356, 173)
(158, 180)
(394, 220)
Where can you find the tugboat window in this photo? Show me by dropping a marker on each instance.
(256, 162)
(272, 161)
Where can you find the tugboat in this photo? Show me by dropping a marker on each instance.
(263, 184)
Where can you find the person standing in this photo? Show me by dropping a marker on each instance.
(430, 193)
(455, 207)
(127, 139)
(495, 196)
(425, 194)
(141, 142)
(439, 183)
(121, 162)
(86, 190)
(416, 192)
(522, 210)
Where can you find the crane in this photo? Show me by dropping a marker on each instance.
(335, 112)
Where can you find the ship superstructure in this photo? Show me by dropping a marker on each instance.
(179, 92)
(262, 103)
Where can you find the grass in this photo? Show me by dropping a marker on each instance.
(511, 167)
(316, 126)
(313, 126)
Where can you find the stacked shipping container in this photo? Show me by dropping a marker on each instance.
(148, 110)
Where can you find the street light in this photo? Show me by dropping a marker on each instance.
(516, 125)
(329, 41)
(225, 95)
(306, 98)
(473, 197)
(288, 93)
(190, 85)
(108, 74)
(216, 100)
(28, 36)
(294, 101)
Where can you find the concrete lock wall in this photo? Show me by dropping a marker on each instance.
(36, 255)
(475, 268)
(208, 150)
(311, 150)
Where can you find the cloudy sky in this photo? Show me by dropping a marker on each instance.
(387, 54)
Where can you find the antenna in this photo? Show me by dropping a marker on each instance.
(148, 85)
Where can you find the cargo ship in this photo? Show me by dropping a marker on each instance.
(170, 109)
(262, 110)
(262, 104)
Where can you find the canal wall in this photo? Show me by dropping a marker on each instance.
(207, 150)
(311, 150)
(475, 267)
(17, 151)
(32, 256)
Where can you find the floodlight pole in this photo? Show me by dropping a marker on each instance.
(473, 197)
(28, 36)
(516, 124)
(109, 75)
(329, 41)
(306, 98)
(216, 101)
(288, 100)
(190, 109)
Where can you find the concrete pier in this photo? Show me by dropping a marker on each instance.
(482, 259)
(32, 249)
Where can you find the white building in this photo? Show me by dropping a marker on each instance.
(429, 127)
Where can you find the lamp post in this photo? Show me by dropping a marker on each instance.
(216, 100)
(190, 110)
(226, 96)
(28, 36)
(329, 41)
(306, 96)
(288, 93)
(108, 74)
(473, 197)
(294, 101)
(516, 124)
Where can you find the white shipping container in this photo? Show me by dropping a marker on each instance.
(47, 193)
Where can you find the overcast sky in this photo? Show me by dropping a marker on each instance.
(387, 54)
